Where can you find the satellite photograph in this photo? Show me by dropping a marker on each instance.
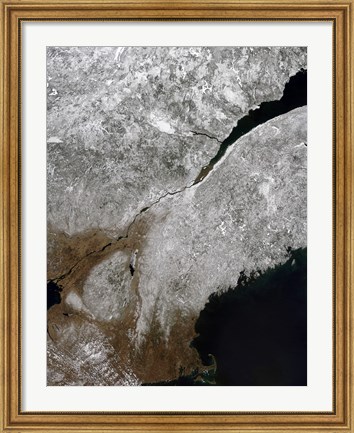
(176, 216)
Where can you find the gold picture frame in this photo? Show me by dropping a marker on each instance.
(13, 13)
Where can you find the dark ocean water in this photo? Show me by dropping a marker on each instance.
(294, 96)
(257, 331)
